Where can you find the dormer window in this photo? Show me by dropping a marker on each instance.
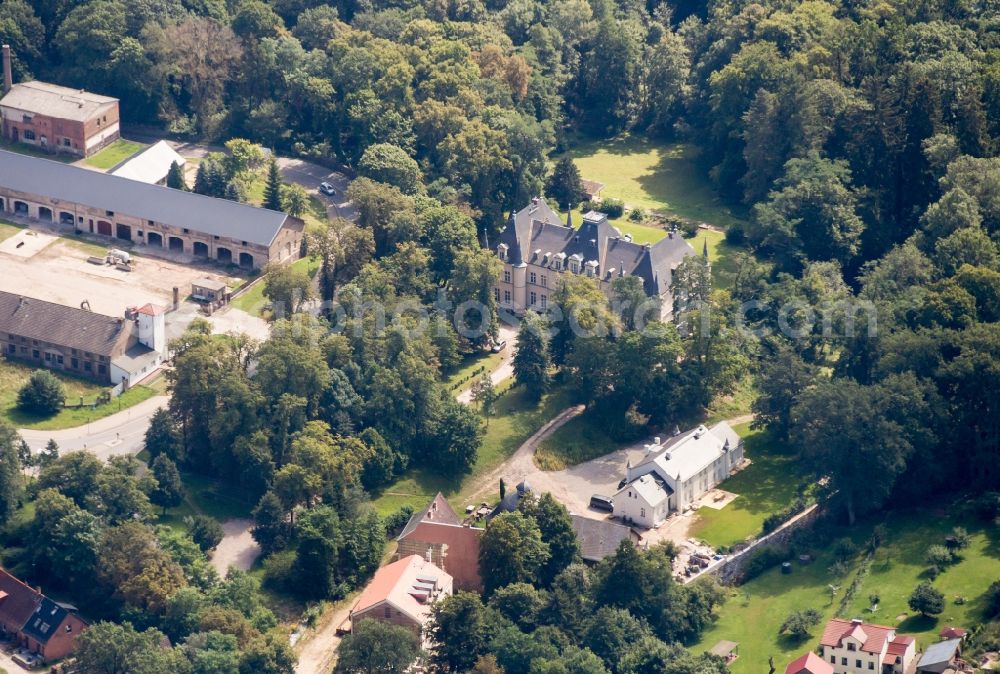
(502, 251)
(592, 268)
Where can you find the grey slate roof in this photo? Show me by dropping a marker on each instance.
(538, 228)
(208, 215)
(600, 538)
(438, 510)
(46, 619)
(940, 652)
(43, 98)
(58, 324)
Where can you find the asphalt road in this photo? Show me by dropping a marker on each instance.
(121, 433)
(310, 175)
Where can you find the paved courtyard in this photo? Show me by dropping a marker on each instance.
(56, 269)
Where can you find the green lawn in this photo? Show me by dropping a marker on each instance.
(315, 216)
(640, 232)
(516, 419)
(14, 375)
(755, 611)
(653, 176)
(114, 154)
(581, 439)
(253, 301)
(472, 364)
(770, 484)
(8, 229)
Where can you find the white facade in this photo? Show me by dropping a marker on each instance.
(644, 502)
(852, 647)
(687, 465)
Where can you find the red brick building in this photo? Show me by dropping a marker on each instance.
(437, 533)
(36, 622)
(56, 118)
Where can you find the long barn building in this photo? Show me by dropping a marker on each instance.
(149, 215)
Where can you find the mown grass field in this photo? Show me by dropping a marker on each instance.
(480, 361)
(315, 215)
(114, 154)
(13, 375)
(755, 610)
(253, 301)
(516, 419)
(581, 439)
(652, 176)
(773, 480)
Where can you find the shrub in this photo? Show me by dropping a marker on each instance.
(279, 571)
(992, 597)
(613, 207)
(205, 531)
(735, 235)
(42, 395)
(844, 549)
(839, 569)
(959, 539)
(766, 557)
(637, 215)
(395, 522)
(689, 228)
(986, 506)
(926, 600)
(799, 623)
(938, 557)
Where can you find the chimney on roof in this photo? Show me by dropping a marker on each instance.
(857, 621)
(8, 77)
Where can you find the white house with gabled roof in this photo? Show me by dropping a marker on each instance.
(676, 472)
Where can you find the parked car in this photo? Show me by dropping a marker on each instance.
(327, 189)
(605, 503)
(499, 346)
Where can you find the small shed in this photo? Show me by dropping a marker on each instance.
(727, 650)
(592, 188)
(940, 657)
(207, 290)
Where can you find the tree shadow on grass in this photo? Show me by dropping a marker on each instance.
(917, 623)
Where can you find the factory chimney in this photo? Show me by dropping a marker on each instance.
(8, 77)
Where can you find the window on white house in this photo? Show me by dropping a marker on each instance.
(532, 278)
(545, 281)
(506, 297)
(506, 276)
(534, 298)
(545, 301)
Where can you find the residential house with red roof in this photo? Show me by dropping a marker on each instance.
(854, 647)
(810, 663)
(37, 623)
(402, 593)
(438, 531)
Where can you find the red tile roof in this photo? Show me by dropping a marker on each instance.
(810, 663)
(953, 633)
(896, 649)
(150, 310)
(17, 601)
(874, 637)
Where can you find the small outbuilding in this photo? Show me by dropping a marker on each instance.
(207, 290)
(940, 657)
(727, 650)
